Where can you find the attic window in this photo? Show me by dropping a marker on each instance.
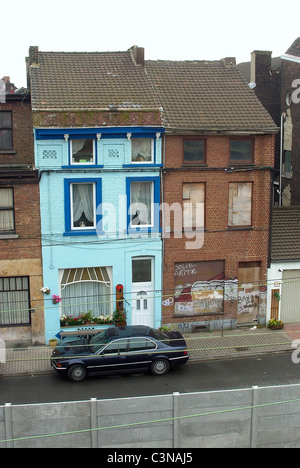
(83, 151)
(142, 150)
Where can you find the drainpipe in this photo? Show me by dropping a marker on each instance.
(280, 160)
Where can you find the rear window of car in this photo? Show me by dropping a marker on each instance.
(158, 335)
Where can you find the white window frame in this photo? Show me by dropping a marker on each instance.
(91, 163)
(152, 151)
(133, 226)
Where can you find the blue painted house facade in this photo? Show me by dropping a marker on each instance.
(100, 187)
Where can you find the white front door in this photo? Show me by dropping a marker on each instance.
(142, 308)
(142, 292)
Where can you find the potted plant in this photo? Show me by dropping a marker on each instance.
(45, 290)
(63, 320)
(88, 317)
(55, 299)
(53, 342)
(275, 324)
(119, 318)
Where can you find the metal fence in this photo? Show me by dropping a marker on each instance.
(254, 417)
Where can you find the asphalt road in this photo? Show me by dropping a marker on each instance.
(267, 370)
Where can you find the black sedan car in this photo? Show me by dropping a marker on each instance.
(118, 350)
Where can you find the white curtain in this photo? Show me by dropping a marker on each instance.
(14, 301)
(77, 145)
(83, 202)
(79, 298)
(140, 203)
(6, 216)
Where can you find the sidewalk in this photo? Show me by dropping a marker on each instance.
(201, 346)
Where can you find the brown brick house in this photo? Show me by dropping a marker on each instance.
(218, 165)
(21, 315)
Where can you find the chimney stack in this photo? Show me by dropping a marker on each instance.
(137, 55)
(33, 55)
(260, 66)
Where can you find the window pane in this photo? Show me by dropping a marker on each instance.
(141, 271)
(5, 119)
(193, 205)
(240, 201)
(241, 150)
(141, 150)
(141, 197)
(193, 150)
(6, 214)
(6, 198)
(5, 139)
(83, 206)
(138, 344)
(14, 301)
(82, 151)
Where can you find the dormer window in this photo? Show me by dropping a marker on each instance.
(82, 151)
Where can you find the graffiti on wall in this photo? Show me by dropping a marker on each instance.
(201, 288)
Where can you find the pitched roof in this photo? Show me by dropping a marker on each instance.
(294, 49)
(194, 95)
(286, 233)
(89, 80)
(207, 95)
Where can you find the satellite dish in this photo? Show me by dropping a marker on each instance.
(252, 85)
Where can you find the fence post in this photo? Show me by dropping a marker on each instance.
(8, 424)
(254, 418)
(176, 421)
(94, 418)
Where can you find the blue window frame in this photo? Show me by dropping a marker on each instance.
(143, 204)
(83, 199)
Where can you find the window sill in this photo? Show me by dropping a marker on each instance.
(83, 166)
(194, 164)
(8, 151)
(145, 164)
(90, 232)
(7, 235)
(236, 164)
(240, 228)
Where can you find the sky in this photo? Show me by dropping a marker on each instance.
(167, 29)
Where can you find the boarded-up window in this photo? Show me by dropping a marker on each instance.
(193, 205)
(240, 204)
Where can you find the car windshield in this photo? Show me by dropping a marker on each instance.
(99, 340)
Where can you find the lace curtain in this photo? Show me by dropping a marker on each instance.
(83, 202)
(6, 215)
(140, 203)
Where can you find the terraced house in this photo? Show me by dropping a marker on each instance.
(218, 167)
(98, 148)
(21, 301)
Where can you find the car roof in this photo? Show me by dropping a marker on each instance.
(128, 331)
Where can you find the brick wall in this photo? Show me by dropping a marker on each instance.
(220, 243)
(22, 133)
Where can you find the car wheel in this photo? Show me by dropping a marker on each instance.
(160, 367)
(77, 373)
